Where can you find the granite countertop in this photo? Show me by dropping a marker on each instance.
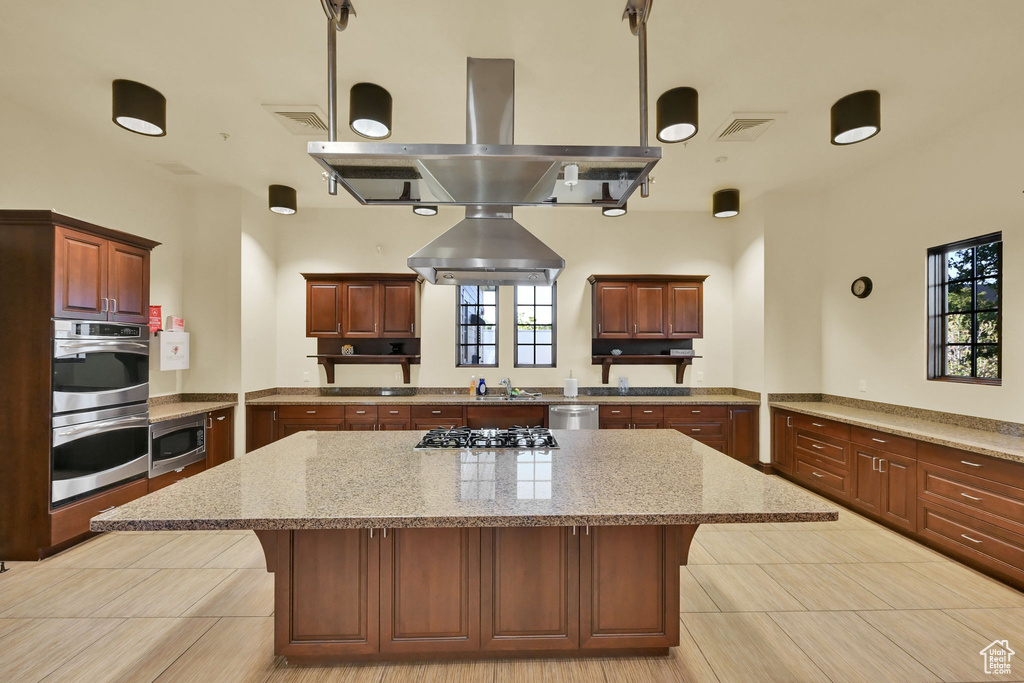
(978, 441)
(465, 399)
(170, 411)
(333, 480)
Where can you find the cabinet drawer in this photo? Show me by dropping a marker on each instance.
(812, 473)
(989, 500)
(832, 450)
(622, 412)
(433, 412)
(360, 412)
(1004, 471)
(647, 412)
(165, 480)
(822, 426)
(440, 423)
(390, 412)
(310, 411)
(958, 532)
(73, 520)
(696, 413)
(718, 443)
(883, 442)
(697, 430)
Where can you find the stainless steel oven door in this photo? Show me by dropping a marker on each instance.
(93, 373)
(176, 443)
(97, 449)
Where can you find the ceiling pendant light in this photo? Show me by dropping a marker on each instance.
(139, 108)
(856, 117)
(282, 199)
(614, 211)
(369, 111)
(677, 114)
(726, 203)
(424, 210)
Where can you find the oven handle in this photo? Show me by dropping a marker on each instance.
(75, 347)
(100, 427)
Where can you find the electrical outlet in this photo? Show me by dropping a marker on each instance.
(700, 376)
(305, 377)
(863, 385)
(398, 375)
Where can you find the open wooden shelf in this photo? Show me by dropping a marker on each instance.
(330, 360)
(606, 363)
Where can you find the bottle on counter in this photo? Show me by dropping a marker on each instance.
(472, 385)
(481, 390)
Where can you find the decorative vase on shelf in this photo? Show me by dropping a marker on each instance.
(348, 350)
(616, 352)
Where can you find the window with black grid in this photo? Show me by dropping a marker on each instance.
(477, 335)
(965, 302)
(535, 326)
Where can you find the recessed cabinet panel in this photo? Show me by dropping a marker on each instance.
(685, 311)
(398, 309)
(649, 311)
(612, 315)
(359, 318)
(128, 283)
(323, 309)
(81, 275)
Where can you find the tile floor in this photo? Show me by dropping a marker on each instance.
(834, 601)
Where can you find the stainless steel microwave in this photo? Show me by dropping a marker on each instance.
(176, 443)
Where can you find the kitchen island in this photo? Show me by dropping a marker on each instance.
(381, 552)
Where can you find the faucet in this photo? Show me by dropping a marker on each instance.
(507, 383)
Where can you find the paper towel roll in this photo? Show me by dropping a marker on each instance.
(571, 388)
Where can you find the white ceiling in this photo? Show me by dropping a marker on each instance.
(935, 62)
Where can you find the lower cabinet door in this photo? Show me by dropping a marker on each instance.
(327, 593)
(743, 436)
(261, 427)
(899, 490)
(430, 590)
(867, 480)
(529, 588)
(393, 425)
(628, 597)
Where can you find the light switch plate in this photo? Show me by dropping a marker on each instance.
(700, 376)
(863, 385)
(305, 377)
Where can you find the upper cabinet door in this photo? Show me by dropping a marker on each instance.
(80, 276)
(359, 305)
(398, 309)
(323, 309)
(649, 304)
(128, 283)
(612, 311)
(685, 310)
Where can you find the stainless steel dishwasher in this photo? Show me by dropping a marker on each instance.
(572, 417)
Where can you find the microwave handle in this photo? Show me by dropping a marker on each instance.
(102, 426)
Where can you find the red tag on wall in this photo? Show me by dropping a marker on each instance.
(155, 316)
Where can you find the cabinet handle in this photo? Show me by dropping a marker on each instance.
(878, 440)
(375, 329)
(106, 510)
(209, 423)
(393, 412)
(371, 533)
(730, 414)
(818, 475)
(220, 418)
(412, 328)
(694, 430)
(817, 425)
(435, 412)
(634, 328)
(275, 416)
(113, 305)
(105, 307)
(599, 328)
(385, 532)
(310, 412)
(588, 530)
(971, 497)
(972, 540)
(694, 411)
(616, 412)
(789, 421)
(882, 461)
(670, 328)
(574, 531)
(360, 412)
(972, 464)
(874, 464)
(648, 411)
(820, 448)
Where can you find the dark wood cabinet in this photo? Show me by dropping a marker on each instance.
(260, 426)
(506, 417)
(651, 307)
(645, 615)
(323, 309)
(530, 590)
(782, 438)
(165, 480)
(743, 434)
(54, 266)
(431, 602)
(286, 426)
(361, 306)
(220, 436)
(96, 278)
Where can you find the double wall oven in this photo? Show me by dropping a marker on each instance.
(100, 410)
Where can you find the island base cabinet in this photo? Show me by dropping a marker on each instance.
(430, 593)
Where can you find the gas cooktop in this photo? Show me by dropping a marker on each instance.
(464, 437)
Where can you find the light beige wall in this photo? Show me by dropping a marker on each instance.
(379, 239)
(881, 223)
(258, 296)
(46, 164)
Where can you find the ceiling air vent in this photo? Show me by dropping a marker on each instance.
(176, 167)
(744, 127)
(306, 119)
